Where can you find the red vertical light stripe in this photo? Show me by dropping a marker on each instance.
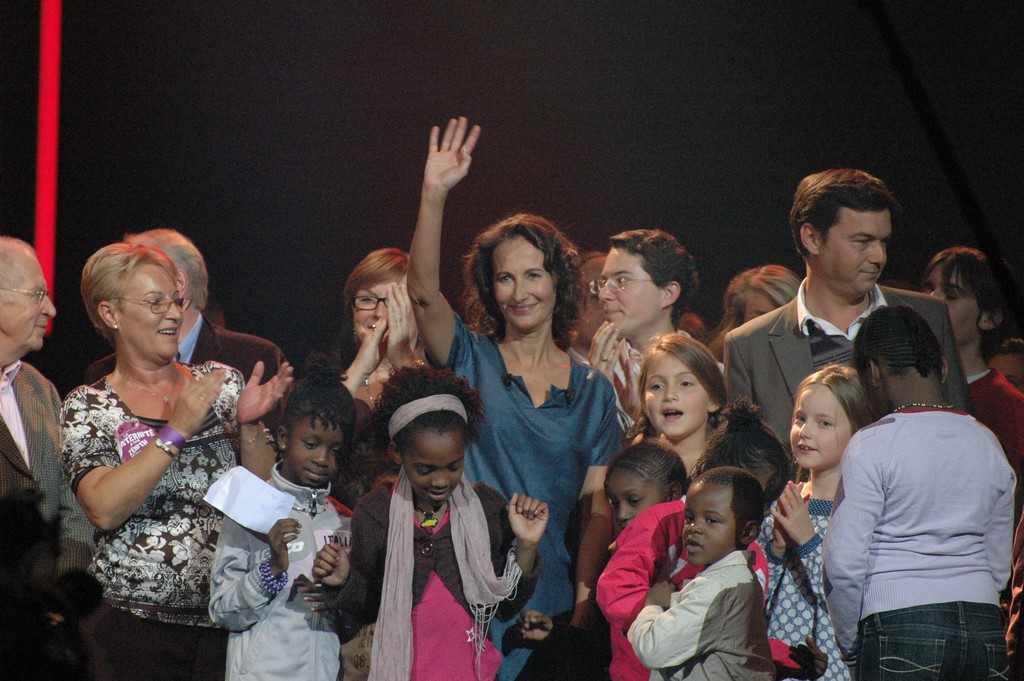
(46, 145)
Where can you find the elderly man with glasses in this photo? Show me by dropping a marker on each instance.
(646, 285)
(30, 409)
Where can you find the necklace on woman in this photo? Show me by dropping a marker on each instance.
(166, 398)
(922, 405)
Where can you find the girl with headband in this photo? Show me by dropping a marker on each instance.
(434, 559)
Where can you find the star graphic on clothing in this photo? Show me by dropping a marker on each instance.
(470, 635)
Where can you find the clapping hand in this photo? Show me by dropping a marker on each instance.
(793, 526)
(401, 337)
(255, 399)
(195, 401)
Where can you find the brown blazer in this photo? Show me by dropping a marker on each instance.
(768, 357)
(39, 404)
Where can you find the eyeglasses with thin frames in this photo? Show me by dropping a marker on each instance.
(39, 294)
(160, 306)
(368, 302)
(614, 284)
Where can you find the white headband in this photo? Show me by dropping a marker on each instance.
(405, 414)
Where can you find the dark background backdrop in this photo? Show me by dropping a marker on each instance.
(287, 139)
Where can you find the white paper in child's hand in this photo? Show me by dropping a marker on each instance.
(249, 501)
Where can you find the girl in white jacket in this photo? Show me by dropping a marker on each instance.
(258, 580)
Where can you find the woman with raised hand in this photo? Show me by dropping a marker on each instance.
(551, 426)
(141, 447)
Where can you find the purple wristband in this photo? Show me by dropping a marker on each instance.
(172, 437)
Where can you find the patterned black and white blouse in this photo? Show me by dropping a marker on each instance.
(157, 564)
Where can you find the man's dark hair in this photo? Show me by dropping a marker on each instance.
(665, 259)
(975, 278)
(820, 196)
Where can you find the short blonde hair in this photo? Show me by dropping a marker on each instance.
(107, 270)
(384, 265)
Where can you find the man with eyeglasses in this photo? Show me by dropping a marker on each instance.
(841, 223)
(646, 285)
(199, 340)
(30, 411)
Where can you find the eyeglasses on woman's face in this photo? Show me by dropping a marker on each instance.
(368, 302)
(160, 305)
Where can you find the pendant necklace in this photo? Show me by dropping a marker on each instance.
(430, 519)
(166, 398)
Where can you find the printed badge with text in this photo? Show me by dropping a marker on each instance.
(132, 437)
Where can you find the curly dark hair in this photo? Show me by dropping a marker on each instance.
(749, 501)
(561, 261)
(747, 441)
(413, 383)
(665, 259)
(321, 396)
(898, 337)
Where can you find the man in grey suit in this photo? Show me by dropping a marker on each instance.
(841, 221)
(30, 411)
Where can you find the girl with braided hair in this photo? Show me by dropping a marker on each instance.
(642, 475)
(918, 545)
(434, 559)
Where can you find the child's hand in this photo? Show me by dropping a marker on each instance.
(534, 625)
(529, 518)
(331, 566)
(660, 594)
(790, 514)
(811, 659)
(283, 531)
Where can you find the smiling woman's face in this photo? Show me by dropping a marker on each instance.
(140, 329)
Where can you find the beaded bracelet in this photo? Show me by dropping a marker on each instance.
(271, 584)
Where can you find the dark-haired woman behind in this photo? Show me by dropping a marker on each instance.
(551, 428)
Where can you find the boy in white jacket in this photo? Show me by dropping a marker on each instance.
(714, 628)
